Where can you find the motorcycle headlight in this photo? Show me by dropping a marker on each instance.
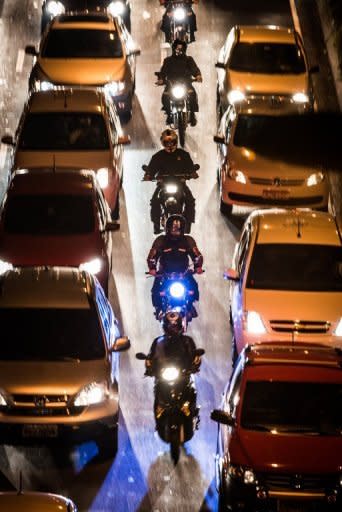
(94, 393)
(179, 14)
(170, 373)
(237, 175)
(4, 266)
(315, 179)
(338, 330)
(253, 323)
(245, 474)
(177, 290)
(102, 176)
(178, 92)
(93, 266)
(171, 188)
(300, 97)
(55, 8)
(116, 8)
(43, 85)
(114, 88)
(236, 96)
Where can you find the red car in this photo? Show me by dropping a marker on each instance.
(56, 217)
(279, 442)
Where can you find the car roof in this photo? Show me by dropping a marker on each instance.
(91, 20)
(266, 33)
(66, 100)
(45, 287)
(33, 501)
(298, 226)
(48, 181)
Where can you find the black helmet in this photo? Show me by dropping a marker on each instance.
(172, 323)
(178, 42)
(173, 221)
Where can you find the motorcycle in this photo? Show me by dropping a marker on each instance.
(171, 194)
(175, 408)
(179, 13)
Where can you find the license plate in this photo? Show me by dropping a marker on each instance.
(275, 194)
(40, 431)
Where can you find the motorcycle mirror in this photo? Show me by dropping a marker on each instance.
(199, 352)
(141, 356)
(144, 167)
(196, 167)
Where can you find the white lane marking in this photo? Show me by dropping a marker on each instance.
(20, 61)
(3, 153)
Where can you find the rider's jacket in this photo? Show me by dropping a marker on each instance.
(181, 67)
(176, 347)
(166, 164)
(172, 254)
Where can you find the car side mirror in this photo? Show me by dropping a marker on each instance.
(124, 139)
(222, 417)
(8, 139)
(219, 139)
(121, 344)
(141, 356)
(231, 274)
(314, 69)
(199, 352)
(31, 50)
(220, 65)
(136, 51)
(112, 226)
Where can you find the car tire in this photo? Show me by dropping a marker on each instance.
(225, 209)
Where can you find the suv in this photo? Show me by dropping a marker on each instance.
(286, 279)
(56, 217)
(265, 64)
(87, 50)
(279, 439)
(59, 366)
(247, 178)
(72, 128)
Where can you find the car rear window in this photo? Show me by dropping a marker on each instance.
(82, 44)
(72, 131)
(37, 334)
(268, 58)
(49, 215)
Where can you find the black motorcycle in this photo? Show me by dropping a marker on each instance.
(171, 195)
(178, 13)
(175, 408)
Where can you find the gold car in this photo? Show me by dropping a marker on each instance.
(266, 64)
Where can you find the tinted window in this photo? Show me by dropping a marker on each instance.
(293, 407)
(267, 58)
(82, 44)
(296, 267)
(250, 130)
(49, 215)
(35, 334)
(64, 131)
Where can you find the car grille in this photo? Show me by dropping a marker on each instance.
(40, 405)
(279, 182)
(301, 326)
(303, 482)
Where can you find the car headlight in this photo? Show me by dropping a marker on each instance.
(3, 401)
(315, 179)
(43, 85)
(253, 323)
(171, 188)
(177, 290)
(114, 88)
(247, 475)
(178, 92)
(171, 373)
(300, 97)
(94, 393)
(237, 175)
(4, 266)
(235, 96)
(102, 176)
(338, 330)
(116, 8)
(93, 266)
(179, 14)
(55, 8)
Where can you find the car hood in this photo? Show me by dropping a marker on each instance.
(24, 250)
(83, 71)
(288, 452)
(253, 83)
(42, 377)
(68, 159)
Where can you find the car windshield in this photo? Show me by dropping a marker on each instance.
(296, 267)
(49, 334)
(82, 44)
(269, 58)
(312, 407)
(249, 131)
(55, 131)
(49, 215)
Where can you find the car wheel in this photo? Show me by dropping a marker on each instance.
(225, 209)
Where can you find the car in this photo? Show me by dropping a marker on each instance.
(52, 8)
(59, 357)
(30, 501)
(279, 438)
(87, 50)
(266, 64)
(56, 217)
(286, 279)
(247, 178)
(57, 129)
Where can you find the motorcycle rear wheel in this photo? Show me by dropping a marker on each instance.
(175, 445)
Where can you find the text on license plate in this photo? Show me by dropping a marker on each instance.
(275, 194)
(40, 430)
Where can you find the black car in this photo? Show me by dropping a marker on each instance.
(52, 8)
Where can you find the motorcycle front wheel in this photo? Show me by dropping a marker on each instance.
(181, 128)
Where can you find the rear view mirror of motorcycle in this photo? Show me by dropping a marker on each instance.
(199, 352)
(196, 167)
(141, 356)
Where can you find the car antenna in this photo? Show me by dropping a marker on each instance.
(299, 234)
(20, 489)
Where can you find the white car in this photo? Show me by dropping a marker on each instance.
(286, 279)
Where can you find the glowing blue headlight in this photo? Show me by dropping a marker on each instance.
(177, 290)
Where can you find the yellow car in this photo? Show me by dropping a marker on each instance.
(87, 50)
(35, 502)
(264, 63)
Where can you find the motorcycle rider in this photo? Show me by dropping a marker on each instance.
(167, 162)
(170, 253)
(166, 24)
(179, 66)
